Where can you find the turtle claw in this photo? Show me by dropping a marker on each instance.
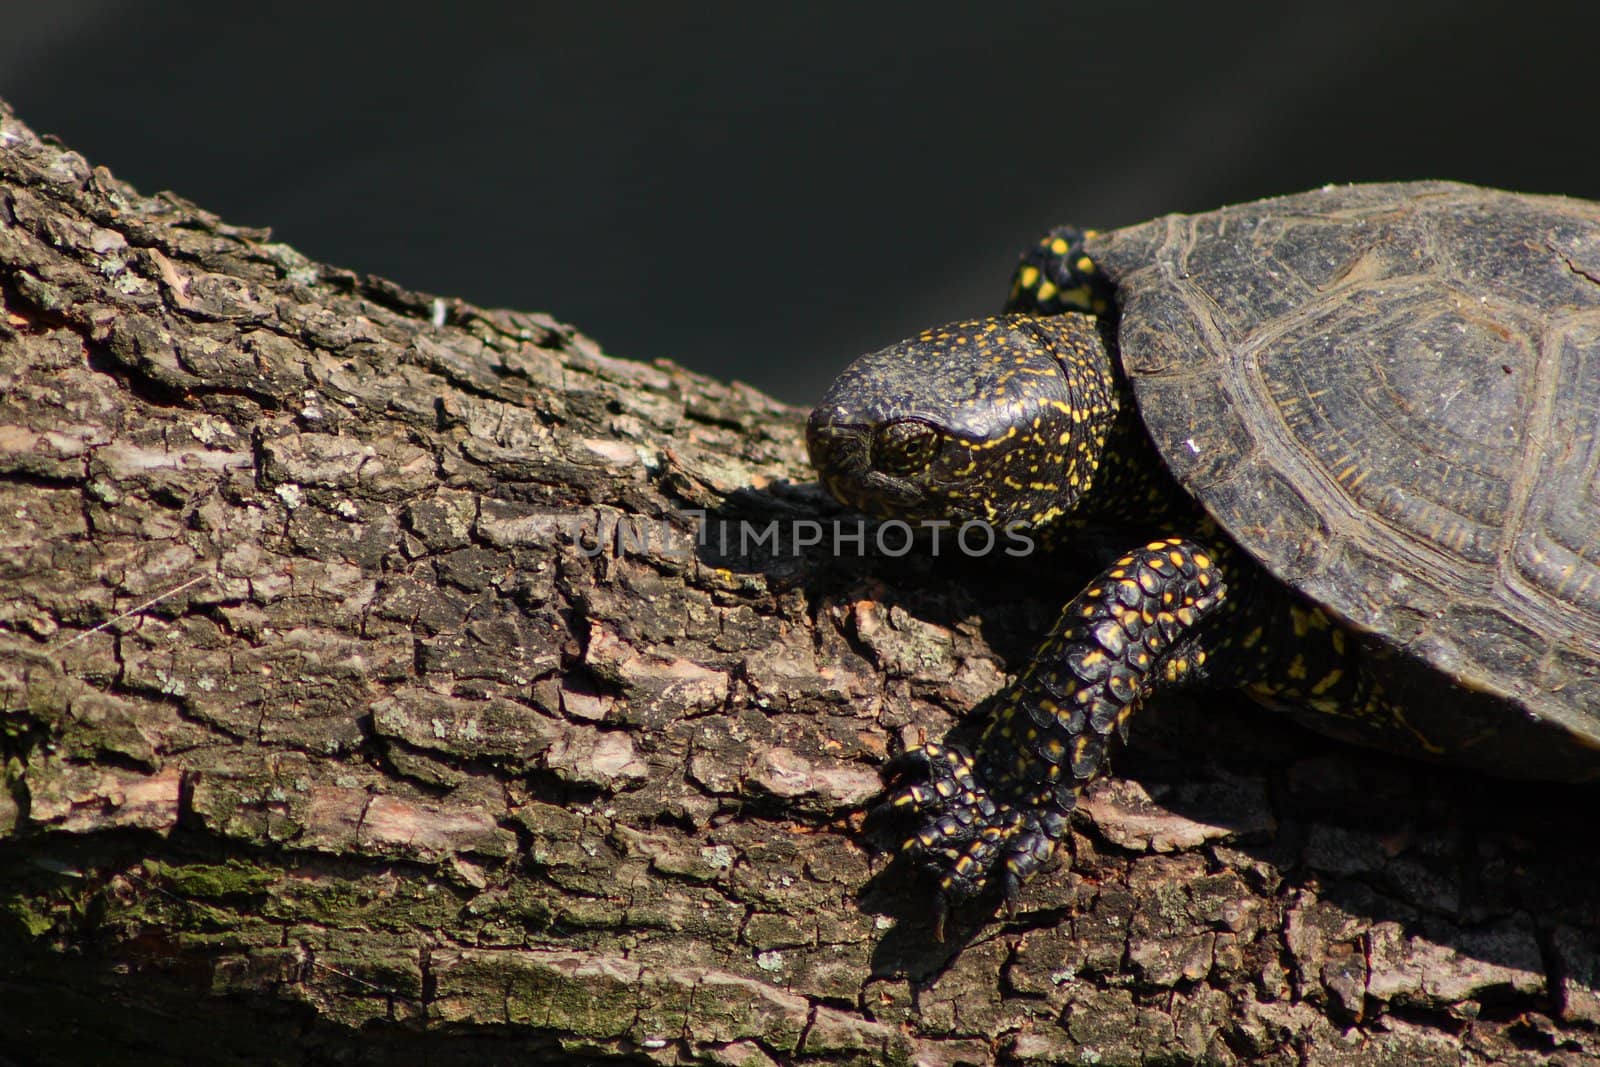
(926, 778)
(964, 836)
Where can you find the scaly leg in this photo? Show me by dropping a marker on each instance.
(1003, 808)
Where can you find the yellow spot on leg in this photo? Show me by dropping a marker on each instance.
(1329, 680)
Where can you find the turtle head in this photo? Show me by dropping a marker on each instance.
(999, 419)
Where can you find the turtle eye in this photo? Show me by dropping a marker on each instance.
(904, 446)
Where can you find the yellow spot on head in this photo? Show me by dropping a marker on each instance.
(1028, 277)
(1059, 246)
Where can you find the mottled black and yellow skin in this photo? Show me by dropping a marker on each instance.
(1026, 419)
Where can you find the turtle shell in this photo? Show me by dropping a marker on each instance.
(1389, 396)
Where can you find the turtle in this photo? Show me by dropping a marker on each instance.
(1349, 443)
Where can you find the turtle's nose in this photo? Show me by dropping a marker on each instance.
(838, 447)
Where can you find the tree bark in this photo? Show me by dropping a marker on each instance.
(372, 694)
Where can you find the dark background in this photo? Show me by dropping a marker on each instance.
(761, 193)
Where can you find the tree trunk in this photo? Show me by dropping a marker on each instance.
(373, 694)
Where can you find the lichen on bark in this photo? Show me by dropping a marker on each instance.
(367, 680)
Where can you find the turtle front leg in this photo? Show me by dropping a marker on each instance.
(1003, 808)
(1057, 274)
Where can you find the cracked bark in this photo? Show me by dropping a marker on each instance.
(329, 736)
